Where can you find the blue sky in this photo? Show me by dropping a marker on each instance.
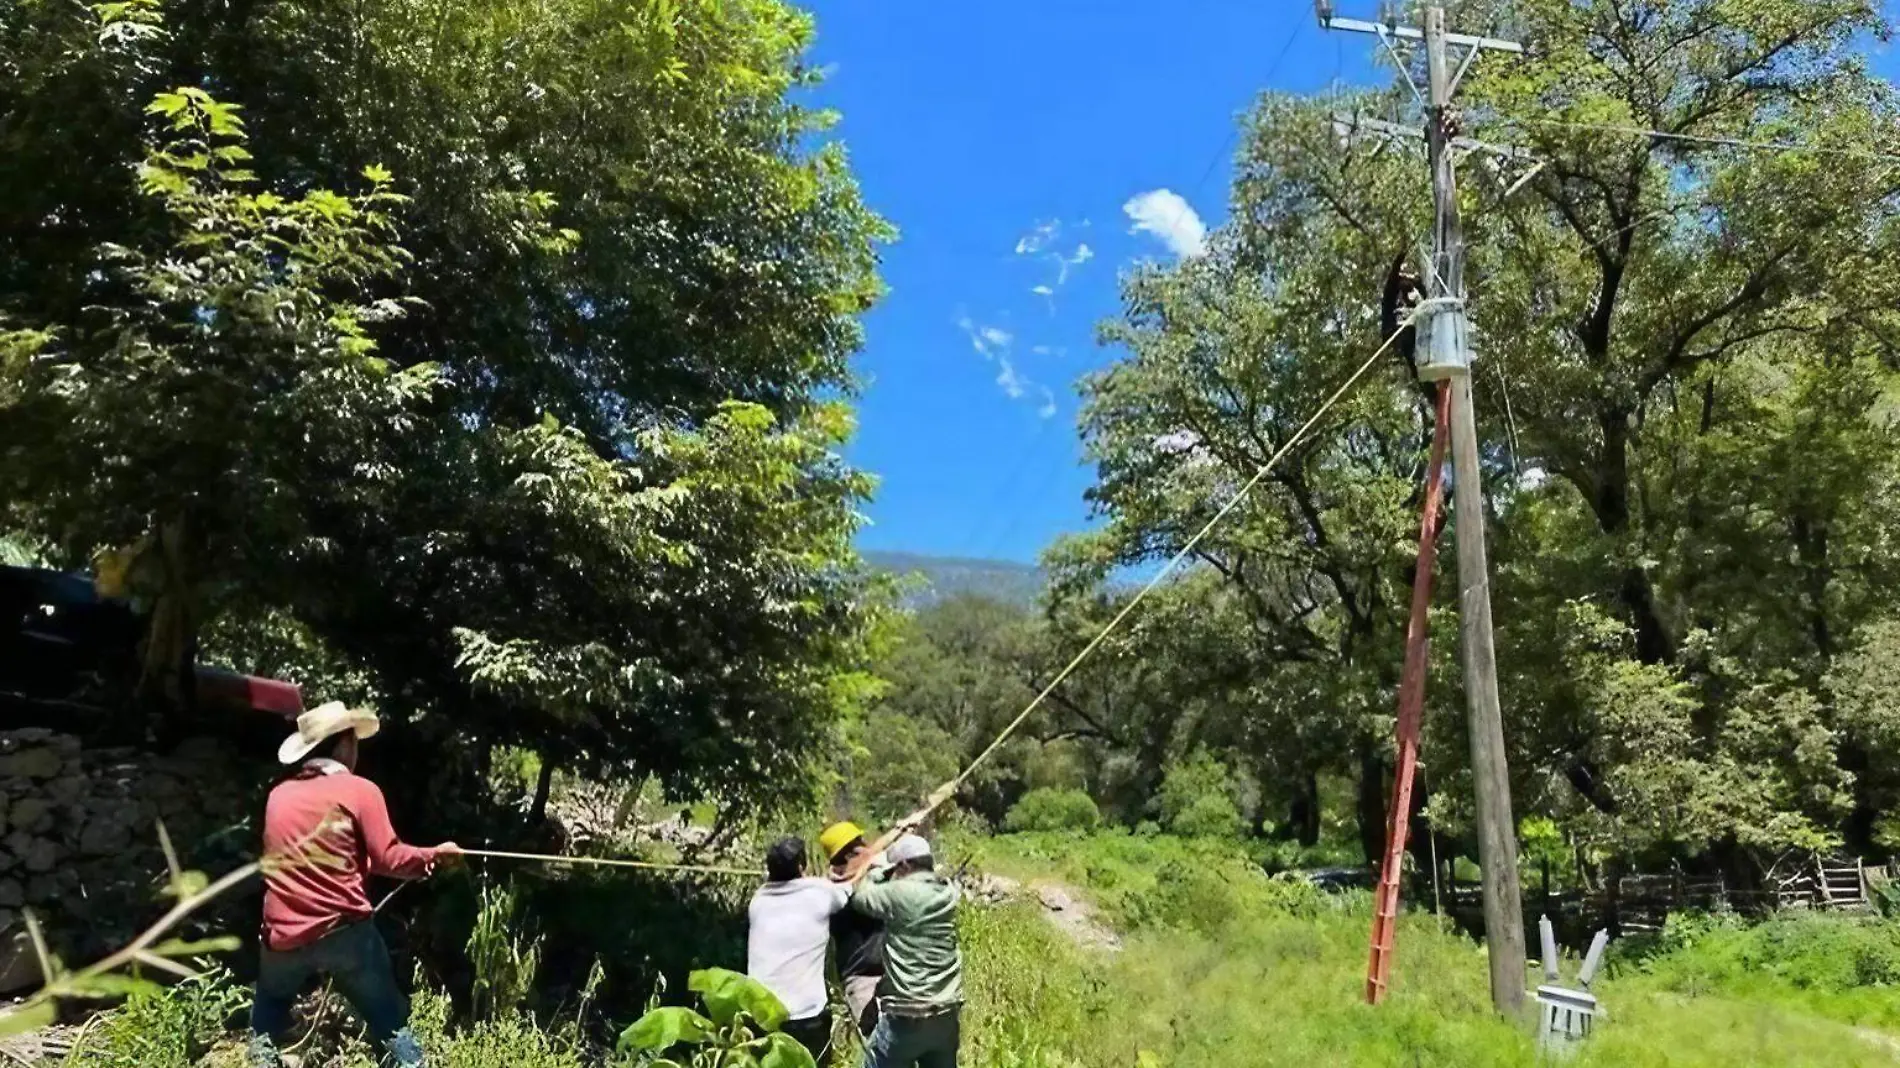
(1004, 137)
(988, 126)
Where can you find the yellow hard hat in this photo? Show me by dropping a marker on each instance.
(837, 836)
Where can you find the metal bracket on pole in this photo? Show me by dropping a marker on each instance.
(1413, 33)
(1345, 125)
(1458, 78)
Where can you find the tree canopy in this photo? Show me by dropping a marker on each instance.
(492, 351)
(1688, 389)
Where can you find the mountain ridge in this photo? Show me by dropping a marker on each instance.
(951, 576)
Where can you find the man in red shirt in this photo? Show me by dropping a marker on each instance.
(325, 830)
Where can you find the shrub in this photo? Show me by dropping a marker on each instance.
(1815, 952)
(170, 1028)
(1050, 809)
(1197, 800)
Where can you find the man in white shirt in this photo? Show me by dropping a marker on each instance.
(789, 932)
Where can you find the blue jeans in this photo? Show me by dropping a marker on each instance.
(357, 963)
(915, 1041)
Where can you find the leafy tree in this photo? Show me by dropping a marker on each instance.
(1686, 387)
(225, 374)
(584, 494)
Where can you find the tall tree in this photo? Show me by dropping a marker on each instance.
(1687, 376)
(616, 528)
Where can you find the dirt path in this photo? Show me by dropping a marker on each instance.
(1880, 1039)
(1065, 909)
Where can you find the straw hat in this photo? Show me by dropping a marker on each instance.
(320, 723)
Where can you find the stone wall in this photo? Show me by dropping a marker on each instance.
(79, 842)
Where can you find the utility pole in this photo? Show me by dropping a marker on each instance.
(1444, 354)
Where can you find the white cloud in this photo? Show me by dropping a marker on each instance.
(1048, 409)
(1043, 291)
(1041, 236)
(988, 341)
(1163, 213)
(994, 343)
(1083, 253)
(1013, 384)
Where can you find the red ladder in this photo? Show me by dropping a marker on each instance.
(1385, 911)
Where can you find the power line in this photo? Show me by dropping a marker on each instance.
(1233, 132)
(1725, 142)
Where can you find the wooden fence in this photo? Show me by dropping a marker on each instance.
(1640, 903)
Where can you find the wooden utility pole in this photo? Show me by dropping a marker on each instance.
(1491, 779)
(1444, 354)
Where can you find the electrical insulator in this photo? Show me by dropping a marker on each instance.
(1324, 9)
(1388, 12)
(1443, 349)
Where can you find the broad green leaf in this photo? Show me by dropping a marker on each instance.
(663, 1028)
(727, 994)
(167, 104)
(783, 1051)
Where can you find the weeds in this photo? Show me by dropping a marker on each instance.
(1222, 966)
(504, 959)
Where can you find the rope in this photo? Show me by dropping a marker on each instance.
(605, 862)
(947, 790)
(944, 792)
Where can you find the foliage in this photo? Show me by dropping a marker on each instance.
(559, 468)
(1027, 989)
(1686, 393)
(1050, 809)
(164, 1027)
(123, 973)
(503, 958)
(740, 1026)
(642, 953)
(1196, 800)
(1153, 881)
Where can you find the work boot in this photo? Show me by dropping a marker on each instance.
(405, 1051)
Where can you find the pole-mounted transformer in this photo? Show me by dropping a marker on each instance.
(1443, 349)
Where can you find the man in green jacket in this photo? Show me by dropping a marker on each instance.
(920, 1009)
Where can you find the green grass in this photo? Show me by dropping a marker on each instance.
(1223, 966)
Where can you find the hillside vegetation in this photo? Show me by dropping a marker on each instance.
(1220, 965)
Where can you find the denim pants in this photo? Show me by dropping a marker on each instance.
(356, 961)
(915, 1041)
